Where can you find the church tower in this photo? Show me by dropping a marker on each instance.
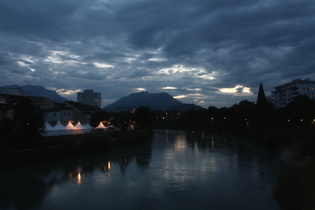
(261, 98)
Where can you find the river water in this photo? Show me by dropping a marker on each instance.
(177, 170)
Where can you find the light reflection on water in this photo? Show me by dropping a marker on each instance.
(178, 170)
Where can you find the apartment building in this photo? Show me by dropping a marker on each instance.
(90, 98)
(284, 94)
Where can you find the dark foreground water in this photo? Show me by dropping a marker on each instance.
(178, 170)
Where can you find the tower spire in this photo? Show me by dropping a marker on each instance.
(261, 98)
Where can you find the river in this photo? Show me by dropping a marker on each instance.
(176, 170)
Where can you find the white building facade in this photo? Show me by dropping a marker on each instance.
(284, 94)
(62, 115)
(90, 98)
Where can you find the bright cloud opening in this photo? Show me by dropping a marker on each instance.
(141, 89)
(169, 88)
(158, 59)
(181, 70)
(238, 90)
(63, 57)
(194, 89)
(102, 65)
(67, 92)
(21, 63)
(32, 69)
(180, 96)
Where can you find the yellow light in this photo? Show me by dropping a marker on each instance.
(108, 165)
(79, 178)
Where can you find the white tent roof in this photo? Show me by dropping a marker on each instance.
(87, 126)
(79, 126)
(48, 127)
(101, 126)
(69, 126)
(58, 126)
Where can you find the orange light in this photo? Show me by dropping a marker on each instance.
(79, 178)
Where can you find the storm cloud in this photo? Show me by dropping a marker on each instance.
(204, 52)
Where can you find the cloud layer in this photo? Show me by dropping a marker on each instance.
(203, 52)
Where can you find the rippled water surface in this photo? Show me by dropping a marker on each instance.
(177, 170)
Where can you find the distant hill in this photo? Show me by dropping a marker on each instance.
(154, 101)
(39, 91)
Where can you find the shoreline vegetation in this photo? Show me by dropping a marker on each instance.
(56, 147)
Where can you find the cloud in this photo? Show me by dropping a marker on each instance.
(197, 47)
(66, 93)
(238, 90)
(169, 88)
(103, 65)
(140, 89)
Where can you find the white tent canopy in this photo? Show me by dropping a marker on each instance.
(87, 126)
(79, 126)
(69, 126)
(101, 126)
(57, 130)
(59, 126)
(48, 127)
(70, 129)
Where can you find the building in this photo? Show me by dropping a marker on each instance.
(62, 115)
(82, 112)
(7, 105)
(14, 91)
(90, 98)
(42, 102)
(284, 94)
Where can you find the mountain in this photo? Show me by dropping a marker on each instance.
(39, 91)
(154, 101)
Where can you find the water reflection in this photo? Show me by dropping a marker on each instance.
(180, 170)
(25, 187)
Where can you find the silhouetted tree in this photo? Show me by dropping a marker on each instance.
(301, 110)
(6, 133)
(143, 117)
(28, 123)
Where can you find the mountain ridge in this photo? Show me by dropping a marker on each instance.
(37, 90)
(154, 101)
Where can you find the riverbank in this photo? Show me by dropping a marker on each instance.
(296, 189)
(55, 147)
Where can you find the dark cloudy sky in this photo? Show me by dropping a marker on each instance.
(206, 52)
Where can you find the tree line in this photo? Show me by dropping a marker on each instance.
(275, 127)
